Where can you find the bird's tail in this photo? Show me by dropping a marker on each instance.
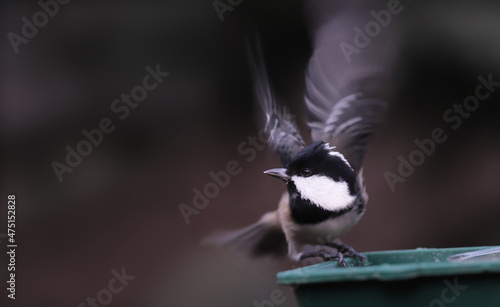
(264, 237)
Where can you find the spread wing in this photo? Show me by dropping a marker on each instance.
(283, 133)
(346, 86)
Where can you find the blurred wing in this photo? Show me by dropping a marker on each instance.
(350, 125)
(346, 90)
(283, 133)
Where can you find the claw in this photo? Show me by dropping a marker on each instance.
(326, 255)
(348, 251)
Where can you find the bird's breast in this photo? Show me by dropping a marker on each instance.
(327, 230)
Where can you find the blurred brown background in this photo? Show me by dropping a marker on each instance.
(119, 207)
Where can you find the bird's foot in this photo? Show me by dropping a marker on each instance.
(348, 251)
(326, 255)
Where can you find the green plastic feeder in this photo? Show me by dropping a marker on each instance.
(419, 277)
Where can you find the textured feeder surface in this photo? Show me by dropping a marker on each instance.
(420, 277)
(392, 265)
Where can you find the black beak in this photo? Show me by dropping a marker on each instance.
(278, 173)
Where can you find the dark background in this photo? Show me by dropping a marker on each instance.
(119, 207)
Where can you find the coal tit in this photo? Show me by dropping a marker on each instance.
(325, 194)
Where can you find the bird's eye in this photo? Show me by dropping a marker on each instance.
(306, 172)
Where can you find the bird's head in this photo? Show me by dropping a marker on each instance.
(320, 176)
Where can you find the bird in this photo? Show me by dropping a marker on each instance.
(325, 192)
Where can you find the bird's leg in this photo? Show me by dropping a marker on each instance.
(326, 255)
(347, 251)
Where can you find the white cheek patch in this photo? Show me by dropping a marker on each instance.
(324, 192)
